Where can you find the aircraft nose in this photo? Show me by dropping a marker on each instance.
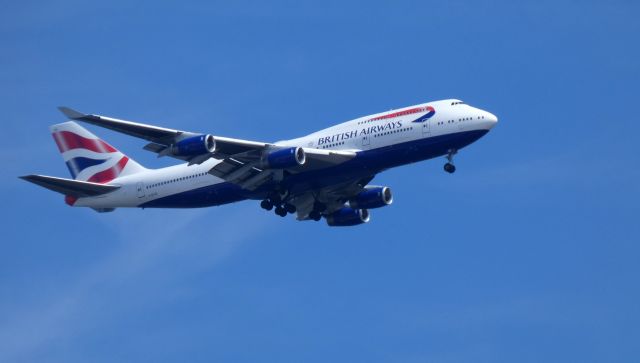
(491, 120)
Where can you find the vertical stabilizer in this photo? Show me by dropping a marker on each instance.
(90, 158)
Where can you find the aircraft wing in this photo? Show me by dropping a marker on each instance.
(242, 160)
(246, 169)
(161, 138)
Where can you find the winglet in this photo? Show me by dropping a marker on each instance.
(71, 113)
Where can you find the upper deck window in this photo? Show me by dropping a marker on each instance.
(457, 103)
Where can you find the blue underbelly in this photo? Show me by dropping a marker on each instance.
(366, 163)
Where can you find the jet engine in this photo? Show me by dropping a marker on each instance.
(285, 158)
(348, 217)
(194, 146)
(372, 197)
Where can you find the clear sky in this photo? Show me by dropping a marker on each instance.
(528, 253)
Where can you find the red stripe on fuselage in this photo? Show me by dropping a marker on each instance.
(67, 140)
(400, 113)
(108, 175)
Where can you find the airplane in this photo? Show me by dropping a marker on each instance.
(325, 174)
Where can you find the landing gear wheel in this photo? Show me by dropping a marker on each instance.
(449, 168)
(315, 215)
(290, 208)
(281, 211)
(266, 205)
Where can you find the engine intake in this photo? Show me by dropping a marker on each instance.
(373, 197)
(286, 158)
(348, 217)
(196, 145)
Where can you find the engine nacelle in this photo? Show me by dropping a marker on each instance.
(348, 217)
(286, 158)
(374, 197)
(194, 146)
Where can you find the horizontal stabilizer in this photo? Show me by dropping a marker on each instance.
(74, 188)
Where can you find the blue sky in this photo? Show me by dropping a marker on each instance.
(528, 253)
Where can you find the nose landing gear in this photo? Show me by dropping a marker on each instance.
(449, 167)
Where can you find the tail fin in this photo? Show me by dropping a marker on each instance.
(89, 158)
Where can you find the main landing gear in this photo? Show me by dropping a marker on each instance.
(316, 213)
(266, 204)
(282, 209)
(449, 167)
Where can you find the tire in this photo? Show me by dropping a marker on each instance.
(315, 215)
(290, 208)
(449, 168)
(266, 205)
(281, 211)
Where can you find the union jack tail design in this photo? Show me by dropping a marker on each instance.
(89, 158)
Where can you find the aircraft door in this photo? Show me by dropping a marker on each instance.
(426, 128)
(366, 141)
(140, 189)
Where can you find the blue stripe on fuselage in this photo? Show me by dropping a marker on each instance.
(365, 164)
(425, 117)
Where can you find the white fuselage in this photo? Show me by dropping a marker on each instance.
(379, 131)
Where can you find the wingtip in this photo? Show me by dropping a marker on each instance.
(71, 113)
(32, 178)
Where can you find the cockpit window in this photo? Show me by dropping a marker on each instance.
(457, 103)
